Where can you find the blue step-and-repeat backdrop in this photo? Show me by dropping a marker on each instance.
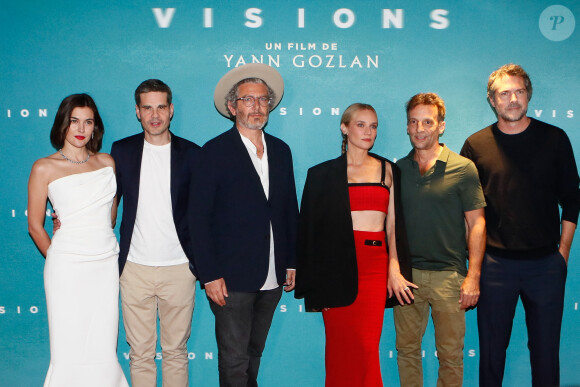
(331, 54)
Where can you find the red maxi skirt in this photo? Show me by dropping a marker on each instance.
(353, 332)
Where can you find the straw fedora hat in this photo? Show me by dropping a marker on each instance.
(251, 70)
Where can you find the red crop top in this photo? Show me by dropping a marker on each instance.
(368, 196)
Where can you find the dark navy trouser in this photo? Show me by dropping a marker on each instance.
(540, 283)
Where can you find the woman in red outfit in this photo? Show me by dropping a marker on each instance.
(352, 250)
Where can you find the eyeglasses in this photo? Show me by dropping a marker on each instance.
(249, 101)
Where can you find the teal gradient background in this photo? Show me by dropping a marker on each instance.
(51, 49)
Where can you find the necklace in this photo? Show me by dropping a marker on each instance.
(72, 161)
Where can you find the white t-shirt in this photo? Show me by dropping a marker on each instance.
(154, 241)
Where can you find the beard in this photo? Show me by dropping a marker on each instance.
(252, 123)
(513, 115)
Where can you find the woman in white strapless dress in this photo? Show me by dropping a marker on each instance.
(81, 275)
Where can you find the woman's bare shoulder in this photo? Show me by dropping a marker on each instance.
(47, 168)
(47, 164)
(105, 159)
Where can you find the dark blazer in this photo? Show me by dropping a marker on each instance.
(327, 274)
(229, 215)
(128, 154)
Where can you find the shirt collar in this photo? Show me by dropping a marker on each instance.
(443, 156)
(250, 145)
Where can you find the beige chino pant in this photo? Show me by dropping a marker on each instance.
(438, 291)
(169, 291)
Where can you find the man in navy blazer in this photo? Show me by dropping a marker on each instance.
(155, 246)
(243, 217)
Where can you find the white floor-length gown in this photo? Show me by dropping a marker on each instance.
(81, 280)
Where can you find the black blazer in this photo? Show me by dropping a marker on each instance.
(229, 215)
(327, 274)
(128, 154)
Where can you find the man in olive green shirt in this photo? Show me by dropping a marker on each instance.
(443, 206)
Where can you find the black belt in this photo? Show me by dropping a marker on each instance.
(373, 242)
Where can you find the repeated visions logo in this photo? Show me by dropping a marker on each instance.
(557, 23)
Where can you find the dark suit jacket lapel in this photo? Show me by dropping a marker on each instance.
(274, 166)
(133, 169)
(339, 182)
(177, 163)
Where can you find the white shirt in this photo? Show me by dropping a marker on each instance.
(154, 241)
(262, 169)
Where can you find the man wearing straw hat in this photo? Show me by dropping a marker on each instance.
(243, 214)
